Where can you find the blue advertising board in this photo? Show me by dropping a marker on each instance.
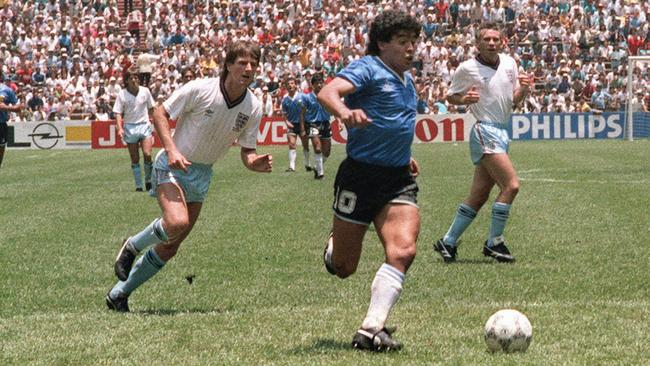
(548, 126)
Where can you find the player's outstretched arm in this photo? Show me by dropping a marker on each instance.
(472, 96)
(11, 107)
(255, 162)
(525, 84)
(330, 98)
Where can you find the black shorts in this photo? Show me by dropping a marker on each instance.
(295, 130)
(323, 127)
(4, 129)
(362, 190)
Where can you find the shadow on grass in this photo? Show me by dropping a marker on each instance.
(486, 261)
(174, 312)
(321, 345)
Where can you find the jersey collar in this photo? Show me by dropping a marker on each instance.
(401, 78)
(484, 63)
(234, 103)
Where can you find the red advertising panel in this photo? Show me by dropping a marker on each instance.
(104, 135)
(273, 131)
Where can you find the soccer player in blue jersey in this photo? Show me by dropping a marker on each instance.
(315, 123)
(8, 103)
(291, 108)
(376, 182)
(490, 85)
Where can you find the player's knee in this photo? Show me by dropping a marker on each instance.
(404, 256)
(176, 225)
(513, 188)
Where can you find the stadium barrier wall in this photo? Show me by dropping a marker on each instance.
(273, 130)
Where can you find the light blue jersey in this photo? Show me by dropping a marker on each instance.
(314, 112)
(291, 107)
(391, 103)
(9, 97)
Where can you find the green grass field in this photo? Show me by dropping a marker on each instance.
(260, 296)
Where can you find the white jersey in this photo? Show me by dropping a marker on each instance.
(134, 108)
(207, 124)
(495, 87)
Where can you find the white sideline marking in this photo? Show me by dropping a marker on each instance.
(551, 180)
(530, 171)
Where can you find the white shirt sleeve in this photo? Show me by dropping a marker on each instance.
(461, 82)
(118, 106)
(181, 101)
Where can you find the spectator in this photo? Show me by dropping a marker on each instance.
(601, 98)
(144, 63)
(592, 39)
(133, 21)
(267, 102)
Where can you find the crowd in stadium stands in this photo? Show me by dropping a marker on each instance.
(65, 58)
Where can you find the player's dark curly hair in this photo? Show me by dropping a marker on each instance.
(317, 78)
(239, 49)
(387, 25)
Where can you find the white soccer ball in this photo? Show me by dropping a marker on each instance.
(508, 331)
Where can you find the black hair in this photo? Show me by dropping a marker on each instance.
(317, 78)
(387, 25)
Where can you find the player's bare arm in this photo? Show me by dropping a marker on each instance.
(119, 121)
(330, 97)
(255, 162)
(472, 96)
(175, 159)
(525, 82)
(11, 107)
(414, 167)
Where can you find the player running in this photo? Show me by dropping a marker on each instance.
(490, 85)
(376, 182)
(211, 115)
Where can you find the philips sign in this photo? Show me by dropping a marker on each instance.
(567, 126)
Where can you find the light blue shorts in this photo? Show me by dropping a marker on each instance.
(135, 132)
(194, 183)
(487, 138)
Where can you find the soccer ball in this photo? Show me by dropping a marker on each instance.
(508, 331)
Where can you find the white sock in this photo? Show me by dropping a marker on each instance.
(305, 154)
(318, 158)
(292, 159)
(386, 289)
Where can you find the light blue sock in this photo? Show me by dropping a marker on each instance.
(464, 217)
(500, 213)
(147, 171)
(148, 265)
(152, 234)
(137, 175)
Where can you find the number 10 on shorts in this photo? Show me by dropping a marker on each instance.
(346, 201)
